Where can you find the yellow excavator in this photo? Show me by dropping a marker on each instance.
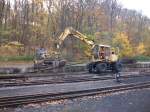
(100, 54)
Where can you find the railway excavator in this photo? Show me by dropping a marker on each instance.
(99, 54)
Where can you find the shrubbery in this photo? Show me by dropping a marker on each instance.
(142, 58)
(16, 58)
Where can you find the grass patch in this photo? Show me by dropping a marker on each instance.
(31, 57)
(142, 58)
(16, 58)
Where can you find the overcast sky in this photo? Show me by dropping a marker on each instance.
(139, 5)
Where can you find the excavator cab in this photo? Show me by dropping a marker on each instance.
(101, 52)
(104, 52)
(101, 61)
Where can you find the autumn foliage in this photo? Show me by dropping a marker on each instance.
(121, 40)
(40, 22)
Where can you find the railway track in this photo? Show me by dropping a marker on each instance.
(21, 100)
(58, 78)
(72, 79)
(30, 75)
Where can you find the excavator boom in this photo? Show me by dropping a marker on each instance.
(70, 31)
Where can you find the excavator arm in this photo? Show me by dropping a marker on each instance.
(95, 49)
(70, 31)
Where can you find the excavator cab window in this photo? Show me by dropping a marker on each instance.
(107, 53)
(102, 53)
(95, 51)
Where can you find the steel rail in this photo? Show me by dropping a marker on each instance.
(69, 80)
(21, 100)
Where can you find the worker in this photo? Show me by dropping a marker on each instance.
(114, 63)
(113, 59)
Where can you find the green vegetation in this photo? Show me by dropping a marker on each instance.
(142, 58)
(16, 58)
(32, 24)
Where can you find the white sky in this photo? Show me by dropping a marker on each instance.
(139, 5)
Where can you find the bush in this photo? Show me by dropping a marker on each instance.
(121, 40)
(16, 58)
(142, 58)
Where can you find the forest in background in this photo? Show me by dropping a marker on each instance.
(40, 22)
